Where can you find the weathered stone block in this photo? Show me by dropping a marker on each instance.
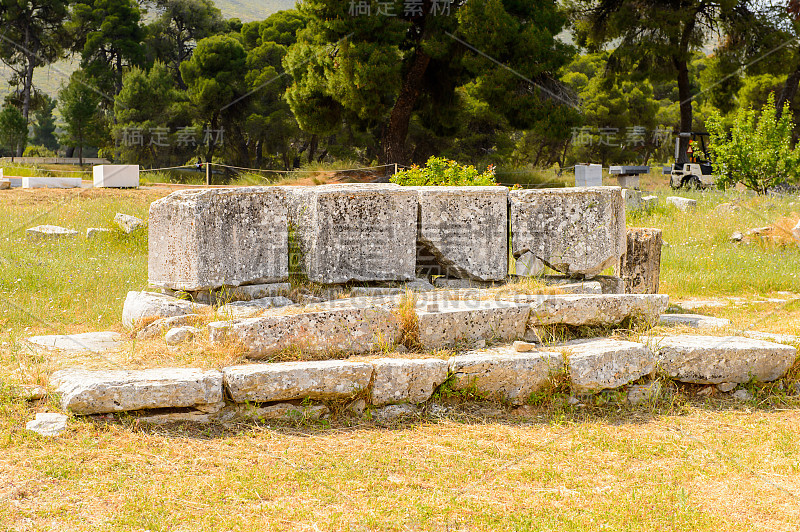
(337, 330)
(640, 267)
(602, 364)
(400, 380)
(95, 342)
(48, 424)
(97, 392)
(205, 239)
(463, 232)
(359, 232)
(5, 184)
(246, 309)
(694, 320)
(325, 379)
(718, 359)
(51, 182)
(140, 306)
(572, 230)
(590, 309)
(115, 175)
(450, 322)
(683, 204)
(49, 231)
(503, 374)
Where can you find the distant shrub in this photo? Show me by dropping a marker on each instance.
(441, 171)
(38, 151)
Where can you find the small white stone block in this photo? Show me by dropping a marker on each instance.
(48, 424)
(49, 231)
(51, 182)
(116, 175)
(588, 175)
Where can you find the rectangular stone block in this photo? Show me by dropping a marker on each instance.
(502, 374)
(116, 175)
(445, 323)
(590, 309)
(206, 239)
(640, 267)
(463, 232)
(51, 182)
(97, 392)
(571, 230)
(602, 364)
(399, 380)
(588, 175)
(358, 232)
(338, 330)
(325, 379)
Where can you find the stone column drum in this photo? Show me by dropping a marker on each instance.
(640, 267)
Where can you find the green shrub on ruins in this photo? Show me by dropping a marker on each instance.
(444, 172)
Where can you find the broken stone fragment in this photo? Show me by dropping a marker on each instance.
(48, 424)
(127, 223)
(140, 306)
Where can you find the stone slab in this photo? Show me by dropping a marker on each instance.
(246, 309)
(694, 320)
(116, 175)
(399, 380)
(502, 374)
(603, 364)
(48, 424)
(206, 239)
(572, 230)
(640, 267)
(682, 204)
(49, 231)
(160, 327)
(94, 342)
(127, 223)
(718, 359)
(141, 306)
(51, 182)
(355, 232)
(96, 232)
(336, 330)
(772, 337)
(589, 309)
(451, 322)
(463, 232)
(98, 392)
(284, 381)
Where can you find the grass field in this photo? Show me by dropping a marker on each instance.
(691, 462)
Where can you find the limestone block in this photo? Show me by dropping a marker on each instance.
(127, 223)
(633, 198)
(94, 342)
(399, 380)
(180, 335)
(718, 359)
(358, 232)
(140, 306)
(51, 182)
(48, 424)
(285, 381)
(95, 232)
(206, 239)
(640, 267)
(694, 320)
(649, 202)
(116, 175)
(683, 204)
(246, 309)
(644, 393)
(49, 231)
(446, 282)
(282, 412)
(5, 184)
(336, 330)
(610, 284)
(601, 364)
(463, 232)
(588, 175)
(772, 337)
(589, 309)
(162, 325)
(451, 322)
(370, 291)
(572, 230)
(628, 182)
(97, 392)
(528, 265)
(503, 374)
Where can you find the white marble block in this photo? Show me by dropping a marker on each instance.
(116, 175)
(51, 182)
(588, 175)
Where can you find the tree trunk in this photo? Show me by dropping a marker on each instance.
(312, 148)
(118, 76)
(259, 153)
(788, 91)
(394, 137)
(684, 97)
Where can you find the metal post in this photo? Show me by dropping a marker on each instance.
(208, 174)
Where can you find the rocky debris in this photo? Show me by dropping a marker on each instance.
(140, 306)
(96, 232)
(606, 309)
(572, 230)
(49, 231)
(336, 330)
(5, 184)
(180, 335)
(458, 321)
(649, 202)
(503, 374)
(392, 413)
(644, 393)
(283, 412)
(228, 294)
(694, 320)
(98, 392)
(524, 347)
(682, 204)
(601, 364)
(29, 392)
(246, 309)
(640, 267)
(726, 387)
(737, 236)
(127, 223)
(175, 417)
(463, 232)
(94, 342)
(285, 381)
(584, 287)
(718, 359)
(207, 239)
(742, 395)
(419, 285)
(162, 325)
(772, 337)
(400, 380)
(355, 232)
(48, 424)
